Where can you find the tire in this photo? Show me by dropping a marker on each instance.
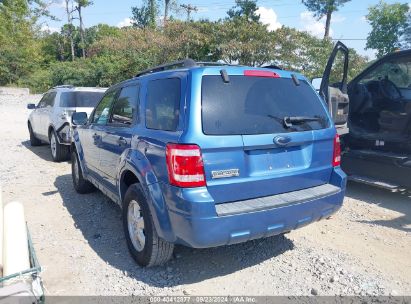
(153, 251)
(34, 141)
(81, 185)
(59, 152)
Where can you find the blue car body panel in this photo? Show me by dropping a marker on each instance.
(188, 215)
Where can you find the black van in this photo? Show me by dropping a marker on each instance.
(377, 147)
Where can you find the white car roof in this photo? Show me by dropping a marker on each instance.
(80, 89)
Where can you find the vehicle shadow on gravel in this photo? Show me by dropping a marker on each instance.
(99, 220)
(395, 201)
(42, 151)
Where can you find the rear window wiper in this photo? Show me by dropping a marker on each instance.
(289, 121)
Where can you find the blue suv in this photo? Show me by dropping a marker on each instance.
(206, 155)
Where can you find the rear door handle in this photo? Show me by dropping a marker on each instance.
(122, 141)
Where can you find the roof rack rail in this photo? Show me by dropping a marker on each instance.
(186, 63)
(64, 86)
(210, 63)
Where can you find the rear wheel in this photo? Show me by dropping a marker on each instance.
(143, 242)
(81, 185)
(34, 141)
(58, 152)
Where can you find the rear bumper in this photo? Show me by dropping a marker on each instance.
(195, 222)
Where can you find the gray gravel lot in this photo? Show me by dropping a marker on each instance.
(364, 249)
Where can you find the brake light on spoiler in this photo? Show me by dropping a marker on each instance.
(257, 73)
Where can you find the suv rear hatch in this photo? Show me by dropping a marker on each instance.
(264, 135)
(80, 101)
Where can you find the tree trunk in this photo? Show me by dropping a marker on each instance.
(81, 32)
(328, 25)
(152, 13)
(70, 32)
(166, 9)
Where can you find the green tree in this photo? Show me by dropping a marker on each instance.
(146, 14)
(54, 48)
(244, 9)
(81, 4)
(388, 22)
(244, 42)
(326, 8)
(19, 49)
(302, 52)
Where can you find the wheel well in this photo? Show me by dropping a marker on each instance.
(127, 180)
(50, 130)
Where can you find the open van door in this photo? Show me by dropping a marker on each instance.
(334, 87)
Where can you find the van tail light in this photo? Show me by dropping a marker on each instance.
(185, 166)
(337, 151)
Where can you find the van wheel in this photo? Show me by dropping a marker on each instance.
(143, 242)
(81, 185)
(34, 141)
(58, 152)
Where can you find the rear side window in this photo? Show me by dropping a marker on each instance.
(125, 108)
(50, 99)
(47, 100)
(102, 112)
(80, 99)
(256, 105)
(163, 104)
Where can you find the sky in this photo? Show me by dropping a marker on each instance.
(349, 23)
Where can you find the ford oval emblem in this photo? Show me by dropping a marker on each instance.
(282, 140)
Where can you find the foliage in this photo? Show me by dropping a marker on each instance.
(19, 52)
(247, 43)
(146, 14)
(322, 8)
(299, 51)
(244, 9)
(43, 59)
(388, 22)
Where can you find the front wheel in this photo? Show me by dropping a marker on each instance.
(143, 242)
(58, 152)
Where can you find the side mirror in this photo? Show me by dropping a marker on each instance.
(31, 106)
(79, 118)
(316, 82)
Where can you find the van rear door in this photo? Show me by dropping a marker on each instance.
(286, 134)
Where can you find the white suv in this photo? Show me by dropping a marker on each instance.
(50, 120)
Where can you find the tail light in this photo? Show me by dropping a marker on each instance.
(185, 166)
(337, 151)
(258, 73)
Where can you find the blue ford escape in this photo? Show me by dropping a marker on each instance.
(206, 155)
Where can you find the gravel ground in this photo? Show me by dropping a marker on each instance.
(362, 250)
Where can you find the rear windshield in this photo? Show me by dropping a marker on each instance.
(256, 105)
(80, 99)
